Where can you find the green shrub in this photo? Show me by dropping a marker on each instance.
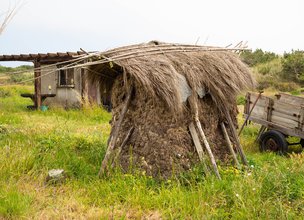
(25, 68)
(240, 100)
(256, 57)
(264, 69)
(4, 69)
(293, 66)
(270, 75)
(21, 77)
(17, 74)
(287, 86)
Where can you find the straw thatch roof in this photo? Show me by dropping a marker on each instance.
(160, 68)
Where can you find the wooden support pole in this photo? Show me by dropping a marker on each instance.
(236, 138)
(198, 146)
(250, 111)
(261, 131)
(37, 83)
(207, 146)
(130, 132)
(193, 101)
(196, 141)
(224, 130)
(115, 133)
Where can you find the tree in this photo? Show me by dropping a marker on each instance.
(293, 65)
(256, 57)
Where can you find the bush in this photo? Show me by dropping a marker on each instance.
(20, 77)
(277, 84)
(4, 69)
(256, 57)
(270, 75)
(272, 68)
(25, 68)
(17, 74)
(293, 66)
(240, 100)
(287, 86)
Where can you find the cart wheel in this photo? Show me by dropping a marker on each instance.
(273, 141)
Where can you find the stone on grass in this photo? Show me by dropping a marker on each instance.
(55, 176)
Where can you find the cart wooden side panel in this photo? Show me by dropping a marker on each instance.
(285, 114)
(294, 100)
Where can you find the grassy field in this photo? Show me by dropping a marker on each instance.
(33, 142)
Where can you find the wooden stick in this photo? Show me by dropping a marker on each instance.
(114, 135)
(194, 108)
(213, 162)
(37, 85)
(150, 52)
(196, 141)
(130, 132)
(236, 138)
(230, 145)
(261, 131)
(248, 115)
(198, 146)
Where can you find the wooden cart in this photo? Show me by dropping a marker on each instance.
(279, 118)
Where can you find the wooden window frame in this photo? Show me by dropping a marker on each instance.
(66, 72)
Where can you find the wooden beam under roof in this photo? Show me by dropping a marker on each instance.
(44, 58)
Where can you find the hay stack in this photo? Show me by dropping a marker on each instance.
(153, 134)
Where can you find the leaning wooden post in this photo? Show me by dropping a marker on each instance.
(115, 133)
(201, 132)
(236, 138)
(198, 147)
(249, 113)
(193, 104)
(123, 144)
(230, 144)
(37, 76)
(261, 131)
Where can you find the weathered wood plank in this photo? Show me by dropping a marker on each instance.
(284, 122)
(285, 130)
(294, 100)
(289, 117)
(196, 141)
(198, 147)
(258, 111)
(286, 108)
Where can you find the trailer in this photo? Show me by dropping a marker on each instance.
(279, 117)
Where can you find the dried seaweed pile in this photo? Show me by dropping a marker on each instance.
(160, 143)
(165, 92)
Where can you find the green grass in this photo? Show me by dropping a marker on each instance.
(12, 202)
(33, 142)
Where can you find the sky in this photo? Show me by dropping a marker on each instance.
(96, 25)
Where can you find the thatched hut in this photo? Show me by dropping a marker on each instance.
(157, 91)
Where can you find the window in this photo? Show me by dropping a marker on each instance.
(66, 78)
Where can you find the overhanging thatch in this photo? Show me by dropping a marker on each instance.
(159, 67)
(159, 91)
